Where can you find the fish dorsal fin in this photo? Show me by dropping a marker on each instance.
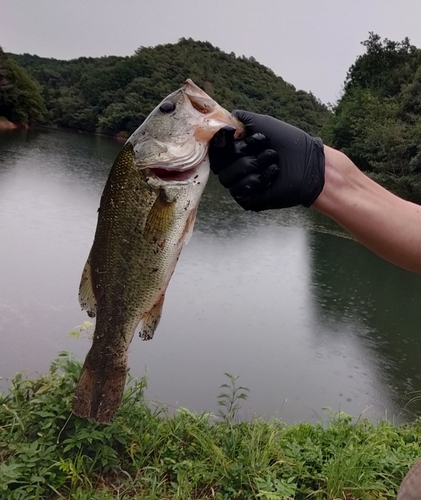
(150, 320)
(87, 298)
(410, 488)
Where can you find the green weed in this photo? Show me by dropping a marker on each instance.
(145, 453)
(230, 400)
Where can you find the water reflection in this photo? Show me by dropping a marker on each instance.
(352, 285)
(306, 318)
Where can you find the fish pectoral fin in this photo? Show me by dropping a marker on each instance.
(160, 218)
(150, 320)
(87, 299)
(188, 228)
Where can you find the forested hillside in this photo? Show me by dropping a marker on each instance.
(115, 94)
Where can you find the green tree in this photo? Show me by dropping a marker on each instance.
(20, 96)
(385, 67)
(377, 122)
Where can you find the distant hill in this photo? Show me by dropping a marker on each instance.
(115, 94)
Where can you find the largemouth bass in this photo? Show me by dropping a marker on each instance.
(410, 488)
(146, 215)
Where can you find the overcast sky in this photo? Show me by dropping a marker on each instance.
(310, 43)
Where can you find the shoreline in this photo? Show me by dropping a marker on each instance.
(6, 125)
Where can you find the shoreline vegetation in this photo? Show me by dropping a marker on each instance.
(147, 453)
(6, 126)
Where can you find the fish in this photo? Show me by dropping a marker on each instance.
(410, 489)
(146, 215)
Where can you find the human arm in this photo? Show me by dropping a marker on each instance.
(383, 222)
(292, 168)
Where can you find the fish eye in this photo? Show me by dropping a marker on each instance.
(167, 107)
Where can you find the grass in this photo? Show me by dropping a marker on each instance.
(48, 453)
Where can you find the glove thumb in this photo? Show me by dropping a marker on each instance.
(245, 117)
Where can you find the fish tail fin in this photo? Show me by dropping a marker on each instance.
(100, 387)
(410, 488)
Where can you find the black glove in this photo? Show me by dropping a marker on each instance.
(276, 166)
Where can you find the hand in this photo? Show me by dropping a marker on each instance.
(276, 166)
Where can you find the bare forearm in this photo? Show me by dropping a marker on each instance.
(388, 225)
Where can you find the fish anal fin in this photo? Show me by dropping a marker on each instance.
(87, 298)
(150, 320)
(160, 218)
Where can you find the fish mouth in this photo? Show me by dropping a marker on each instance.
(173, 175)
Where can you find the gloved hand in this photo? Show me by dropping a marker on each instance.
(276, 166)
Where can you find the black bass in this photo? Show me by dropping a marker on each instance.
(410, 488)
(146, 215)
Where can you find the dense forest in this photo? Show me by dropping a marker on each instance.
(377, 121)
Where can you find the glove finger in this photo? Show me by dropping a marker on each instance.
(252, 145)
(224, 137)
(247, 165)
(249, 146)
(238, 170)
(245, 117)
(267, 157)
(269, 174)
(247, 187)
(224, 151)
(221, 149)
(249, 192)
(255, 122)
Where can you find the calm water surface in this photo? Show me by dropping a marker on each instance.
(307, 317)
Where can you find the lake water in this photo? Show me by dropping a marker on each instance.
(306, 316)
